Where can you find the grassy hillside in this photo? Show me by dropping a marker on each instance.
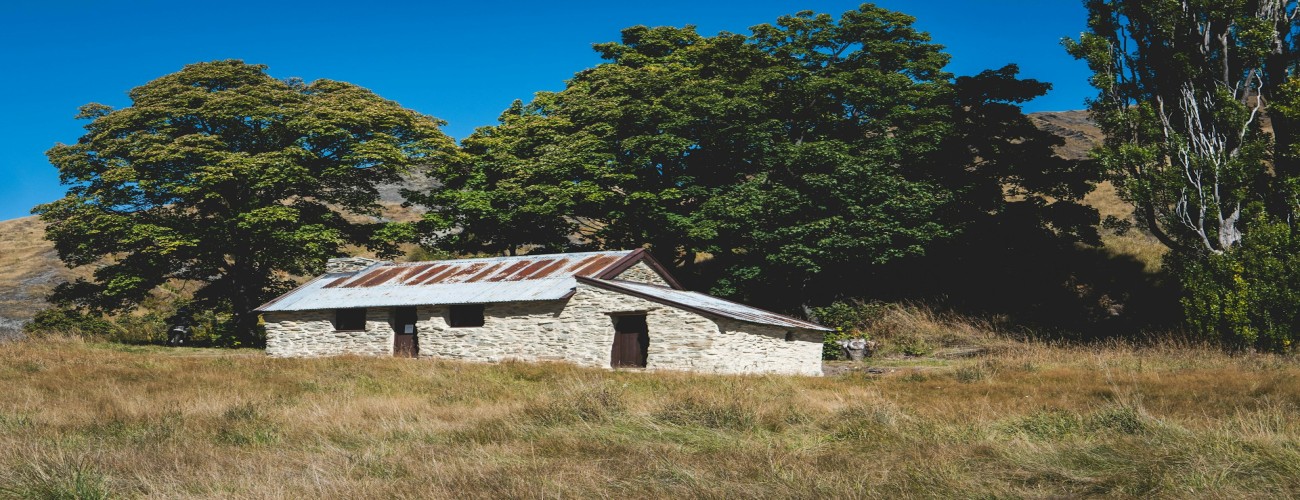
(29, 269)
(1080, 136)
(1027, 420)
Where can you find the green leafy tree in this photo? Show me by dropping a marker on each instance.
(814, 145)
(1185, 91)
(500, 203)
(613, 161)
(222, 175)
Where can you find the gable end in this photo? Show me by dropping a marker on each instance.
(640, 256)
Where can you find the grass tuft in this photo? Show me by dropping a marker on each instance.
(1120, 418)
(592, 403)
(711, 413)
(54, 481)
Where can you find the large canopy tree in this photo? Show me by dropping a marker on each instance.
(1198, 100)
(222, 175)
(814, 146)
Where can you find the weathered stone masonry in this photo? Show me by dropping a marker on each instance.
(311, 333)
(579, 330)
(643, 274)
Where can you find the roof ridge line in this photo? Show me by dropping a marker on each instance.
(503, 257)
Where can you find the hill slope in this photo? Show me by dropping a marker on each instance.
(1081, 135)
(29, 269)
(1078, 131)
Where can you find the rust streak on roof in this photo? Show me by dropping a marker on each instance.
(577, 268)
(477, 280)
(442, 275)
(413, 272)
(549, 270)
(375, 278)
(598, 264)
(336, 282)
(433, 270)
(510, 271)
(391, 275)
(482, 276)
(533, 268)
(464, 271)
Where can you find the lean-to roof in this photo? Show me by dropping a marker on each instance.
(702, 303)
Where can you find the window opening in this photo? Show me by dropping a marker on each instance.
(350, 319)
(466, 315)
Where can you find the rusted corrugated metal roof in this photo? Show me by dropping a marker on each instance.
(704, 303)
(506, 279)
(464, 281)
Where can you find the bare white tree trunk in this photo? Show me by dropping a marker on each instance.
(1196, 145)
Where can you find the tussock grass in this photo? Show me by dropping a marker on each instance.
(82, 420)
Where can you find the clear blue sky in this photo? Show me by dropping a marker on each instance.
(460, 61)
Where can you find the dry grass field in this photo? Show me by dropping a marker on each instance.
(87, 420)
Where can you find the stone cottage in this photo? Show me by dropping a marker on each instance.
(608, 309)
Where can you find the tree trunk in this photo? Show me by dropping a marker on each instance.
(245, 285)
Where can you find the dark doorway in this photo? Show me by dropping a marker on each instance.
(631, 341)
(404, 343)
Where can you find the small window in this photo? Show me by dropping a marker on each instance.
(466, 315)
(350, 319)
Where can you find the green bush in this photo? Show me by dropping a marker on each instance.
(1118, 418)
(216, 328)
(147, 326)
(1248, 297)
(600, 403)
(56, 320)
(970, 373)
(912, 345)
(851, 320)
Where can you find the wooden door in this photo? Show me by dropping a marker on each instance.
(404, 340)
(631, 342)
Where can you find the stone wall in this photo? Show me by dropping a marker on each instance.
(642, 273)
(753, 348)
(311, 333)
(579, 330)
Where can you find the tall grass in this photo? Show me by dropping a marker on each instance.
(81, 420)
